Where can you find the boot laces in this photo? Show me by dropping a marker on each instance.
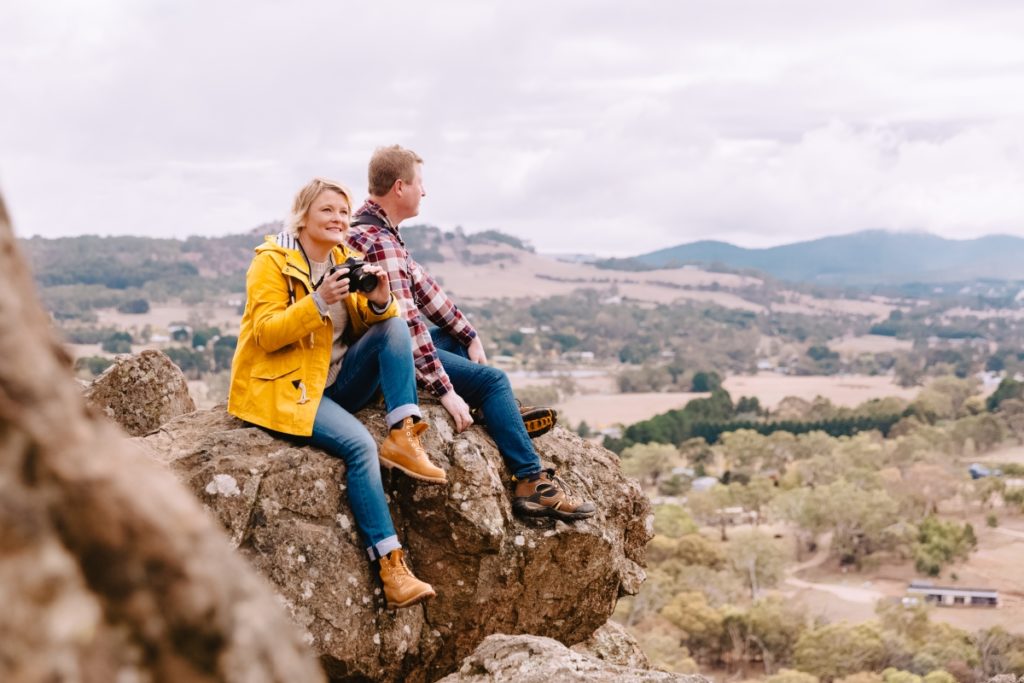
(399, 570)
(558, 483)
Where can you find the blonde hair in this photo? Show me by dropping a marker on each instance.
(307, 195)
(389, 164)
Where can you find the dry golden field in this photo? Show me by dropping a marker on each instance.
(600, 406)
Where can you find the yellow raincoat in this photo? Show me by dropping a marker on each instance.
(284, 347)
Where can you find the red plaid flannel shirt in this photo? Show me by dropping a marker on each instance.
(416, 292)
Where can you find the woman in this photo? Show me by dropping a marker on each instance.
(312, 351)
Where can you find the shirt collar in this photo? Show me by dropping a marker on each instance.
(373, 208)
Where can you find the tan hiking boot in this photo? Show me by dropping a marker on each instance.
(402, 450)
(401, 588)
(545, 495)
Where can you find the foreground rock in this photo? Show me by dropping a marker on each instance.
(141, 392)
(285, 508)
(109, 569)
(531, 659)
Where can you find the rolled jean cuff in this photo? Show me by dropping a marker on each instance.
(528, 471)
(382, 548)
(402, 412)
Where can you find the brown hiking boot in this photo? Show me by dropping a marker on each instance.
(545, 495)
(401, 588)
(538, 420)
(402, 450)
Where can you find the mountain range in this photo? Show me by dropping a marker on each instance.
(867, 257)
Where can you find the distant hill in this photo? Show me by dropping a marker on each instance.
(868, 257)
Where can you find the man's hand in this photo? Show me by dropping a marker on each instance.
(476, 351)
(458, 409)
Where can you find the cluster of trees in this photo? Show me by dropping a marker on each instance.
(203, 351)
(985, 422)
(877, 497)
(77, 275)
(703, 604)
(709, 418)
(665, 346)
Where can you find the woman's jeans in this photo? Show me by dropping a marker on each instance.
(489, 389)
(380, 358)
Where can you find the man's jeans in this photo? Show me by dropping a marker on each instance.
(381, 357)
(488, 388)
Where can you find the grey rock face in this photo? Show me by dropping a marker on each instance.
(532, 659)
(141, 392)
(285, 508)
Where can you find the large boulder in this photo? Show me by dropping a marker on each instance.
(141, 392)
(285, 508)
(532, 659)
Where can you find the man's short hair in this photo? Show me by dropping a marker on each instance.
(307, 195)
(389, 164)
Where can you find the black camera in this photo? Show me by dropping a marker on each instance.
(358, 279)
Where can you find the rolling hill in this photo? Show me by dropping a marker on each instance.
(868, 257)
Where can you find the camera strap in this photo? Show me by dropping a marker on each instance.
(309, 266)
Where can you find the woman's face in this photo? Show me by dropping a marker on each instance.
(327, 219)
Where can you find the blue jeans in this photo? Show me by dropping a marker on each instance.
(489, 389)
(380, 358)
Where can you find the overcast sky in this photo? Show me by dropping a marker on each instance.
(582, 126)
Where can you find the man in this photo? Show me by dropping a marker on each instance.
(450, 360)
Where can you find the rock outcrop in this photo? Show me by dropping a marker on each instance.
(613, 643)
(109, 569)
(141, 392)
(532, 659)
(285, 508)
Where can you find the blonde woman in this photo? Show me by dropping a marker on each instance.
(314, 348)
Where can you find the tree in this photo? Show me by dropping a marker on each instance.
(224, 352)
(701, 623)
(648, 462)
(1007, 389)
(118, 342)
(840, 649)
(134, 306)
(859, 519)
(673, 521)
(708, 506)
(775, 626)
(193, 363)
(757, 559)
(705, 381)
(791, 676)
(938, 543)
(93, 365)
(694, 549)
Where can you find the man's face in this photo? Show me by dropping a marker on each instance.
(412, 192)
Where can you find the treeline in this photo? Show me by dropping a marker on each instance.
(709, 418)
(843, 426)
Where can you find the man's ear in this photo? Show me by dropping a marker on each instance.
(398, 187)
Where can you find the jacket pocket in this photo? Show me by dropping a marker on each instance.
(277, 366)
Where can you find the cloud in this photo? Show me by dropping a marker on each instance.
(581, 126)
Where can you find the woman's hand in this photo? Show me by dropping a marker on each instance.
(381, 294)
(334, 288)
